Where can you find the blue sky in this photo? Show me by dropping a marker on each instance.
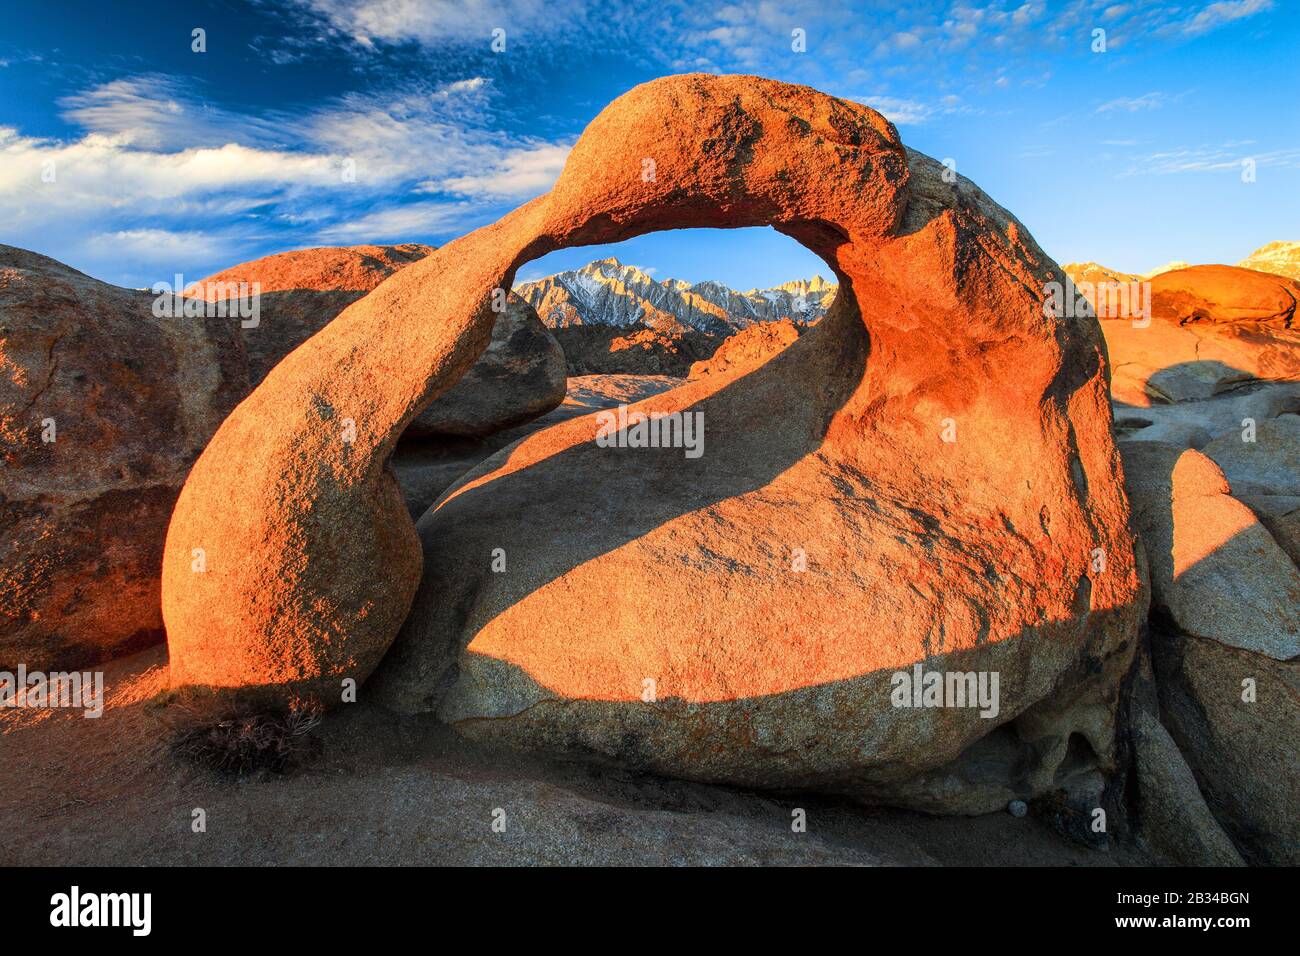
(330, 122)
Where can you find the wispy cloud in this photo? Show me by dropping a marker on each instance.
(434, 21)
(1209, 159)
(902, 111)
(1223, 12)
(395, 224)
(1147, 101)
(519, 174)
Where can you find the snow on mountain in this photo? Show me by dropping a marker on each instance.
(607, 292)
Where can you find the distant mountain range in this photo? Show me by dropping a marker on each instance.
(1094, 272)
(606, 293)
(1278, 258)
(609, 293)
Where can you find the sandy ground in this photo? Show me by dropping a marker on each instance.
(385, 789)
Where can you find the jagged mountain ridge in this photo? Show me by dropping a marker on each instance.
(608, 293)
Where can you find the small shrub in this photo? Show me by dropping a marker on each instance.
(239, 746)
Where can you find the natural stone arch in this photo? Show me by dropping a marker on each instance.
(312, 563)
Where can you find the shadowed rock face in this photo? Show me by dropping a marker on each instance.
(519, 376)
(827, 537)
(103, 407)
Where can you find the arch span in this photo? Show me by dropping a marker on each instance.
(982, 546)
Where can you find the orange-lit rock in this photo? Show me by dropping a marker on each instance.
(1211, 330)
(1224, 295)
(748, 348)
(1220, 347)
(1216, 570)
(520, 375)
(635, 350)
(302, 290)
(739, 616)
(103, 407)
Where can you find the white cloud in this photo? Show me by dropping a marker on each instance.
(1209, 159)
(397, 224)
(141, 155)
(154, 111)
(901, 112)
(520, 174)
(157, 181)
(42, 178)
(1225, 11)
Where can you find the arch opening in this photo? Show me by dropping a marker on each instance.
(659, 303)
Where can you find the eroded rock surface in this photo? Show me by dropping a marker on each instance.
(933, 494)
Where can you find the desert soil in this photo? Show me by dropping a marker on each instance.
(388, 789)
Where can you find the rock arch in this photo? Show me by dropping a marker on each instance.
(980, 551)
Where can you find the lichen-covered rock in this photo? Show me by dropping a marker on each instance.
(103, 408)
